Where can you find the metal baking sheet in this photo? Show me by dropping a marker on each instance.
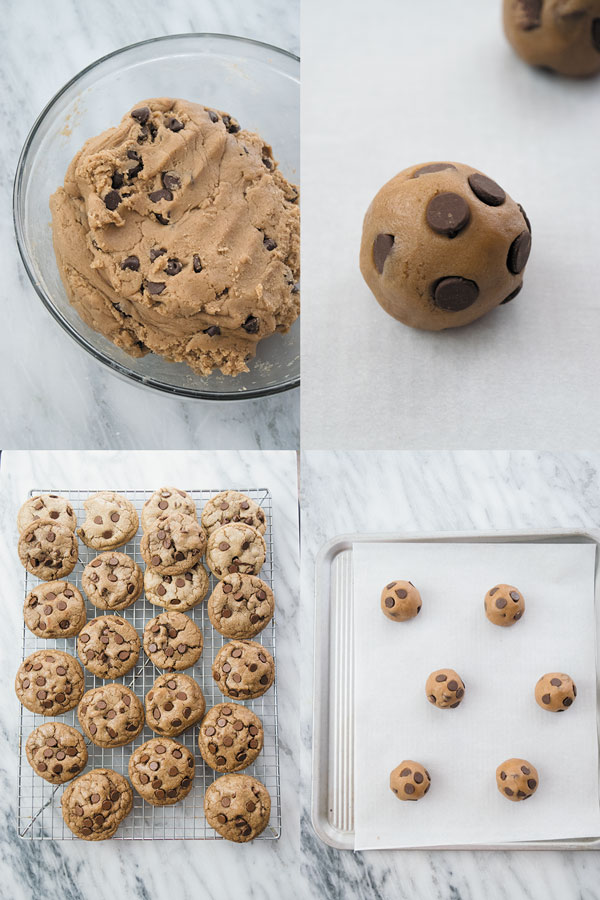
(39, 811)
(332, 802)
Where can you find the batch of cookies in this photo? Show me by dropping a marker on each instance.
(51, 682)
(516, 779)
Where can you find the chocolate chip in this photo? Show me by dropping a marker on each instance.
(546, 699)
(212, 331)
(486, 190)
(154, 254)
(401, 594)
(448, 214)
(389, 602)
(232, 127)
(173, 267)
(418, 778)
(513, 294)
(531, 783)
(432, 167)
(567, 701)
(452, 685)
(409, 788)
(161, 219)
(212, 115)
(170, 181)
(518, 253)
(440, 677)
(251, 325)
(112, 200)
(174, 124)
(382, 246)
(269, 243)
(196, 263)
(454, 293)
(131, 262)
(141, 115)
(531, 12)
(155, 287)
(162, 194)
(501, 602)
(117, 180)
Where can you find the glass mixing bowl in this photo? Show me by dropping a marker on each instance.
(256, 83)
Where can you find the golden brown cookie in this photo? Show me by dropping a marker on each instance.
(235, 548)
(230, 737)
(174, 544)
(241, 606)
(244, 670)
(112, 580)
(517, 779)
(95, 804)
(50, 507)
(162, 771)
(174, 702)
(164, 502)
(178, 592)
(555, 691)
(56, 752)
(111, 521)
(49, 682)
(445, 689)
(48, 550)
(238, 807)
(232, 506)
(410, 780)
(173, 641)
(111, 715)
(54, 609)
(108, 646)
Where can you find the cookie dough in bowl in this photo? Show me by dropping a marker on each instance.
(442, 245)
(175, 233)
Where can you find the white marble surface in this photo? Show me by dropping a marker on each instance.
(423, 492)
(152, 870)
(60, 396)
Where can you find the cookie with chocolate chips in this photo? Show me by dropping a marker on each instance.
(241, 606)
(172, 641)
(442, 245)
(235, 548)
(108, 646)
(48, 550)
(112, 580)
(400, 601)
(517, 779)
(179, 592)
(238, 807)
(56, 752)
(244, 670)
(162, 771)
(232, 506)
(230, 737)
(173, 544)
(54, 609)
(410, 780)
(49, 682)
(445, 689)
(95, 804)
(174, 702)
(164, 502)
(504, 605)
(555, 691)
(111, 715)
(111, 521)
(51, 507)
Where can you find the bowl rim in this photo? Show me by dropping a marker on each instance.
(113, 365)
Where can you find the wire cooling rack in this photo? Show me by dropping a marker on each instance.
(40, 816)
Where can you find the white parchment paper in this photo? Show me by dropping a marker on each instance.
(498, 718)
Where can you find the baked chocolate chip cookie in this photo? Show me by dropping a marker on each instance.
(180, 592)
(172, 641)
(112, 580)
(174, 702)
(243, 669)
(164, 502)
(50, 507)
(232, 506)
(54, 609)
(235, 548)
(108, 646)
(111, 520)
(96, 803)
(56, 752)
(230, 737)
(174, 544)
(162, 771)
(49, 682)
(48, 550)
(241, 606)
(111, 715)
(237, 807)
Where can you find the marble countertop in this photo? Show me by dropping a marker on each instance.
(344, 492)
(60, 396)
(152, 870)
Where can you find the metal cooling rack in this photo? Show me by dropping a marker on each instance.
(40, 816)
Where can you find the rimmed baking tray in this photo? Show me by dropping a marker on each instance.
(39, 810)
(332, 801)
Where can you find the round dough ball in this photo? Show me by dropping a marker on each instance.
(442, 245)
(504, 605)
(517, 779)
(410, 780)
(445, 688)
(563, 35)
(555, 691)
(400, 601)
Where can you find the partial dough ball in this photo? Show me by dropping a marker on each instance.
(445, 688)
(555, 691)
(563, 35)
(410, 780)
(517, 779)
(400, 601)
(442, 245)
(504, 605)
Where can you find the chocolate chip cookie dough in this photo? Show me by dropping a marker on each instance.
(112, 580)
(235, 548)
(48, 550)
(162, 771)
(445, 689)
(180, 592)
(54, 609)
(243, 669)
(232, 506)
(238, 807)
(108, 646)
(230, 737)
(56, 752)
(172, 641)
(111, 521)
(400, 601)
(410, 780)
(111, 715)
(555, 691)
(174, 702)
(165, 501)
(173, 544)
(442, 245)
(241, 606)
(95, 804)
(517, 779)
(504, 605)
(46, 506)
(49, 682)
(176, 233)
(563, 35)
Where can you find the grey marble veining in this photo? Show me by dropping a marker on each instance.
(54, 394)
(345, 492)
(152, 870)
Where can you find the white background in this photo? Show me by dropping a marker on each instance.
(387, 85)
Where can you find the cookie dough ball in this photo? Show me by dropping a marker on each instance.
(563, 35)
(237, 807)
(442, 245)
(504, 605)
(555, 691)
(517, 779)
(444, 688)
(410, 780)
(96, 803)
(400, 601)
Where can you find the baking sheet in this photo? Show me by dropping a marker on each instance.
(498, 717)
